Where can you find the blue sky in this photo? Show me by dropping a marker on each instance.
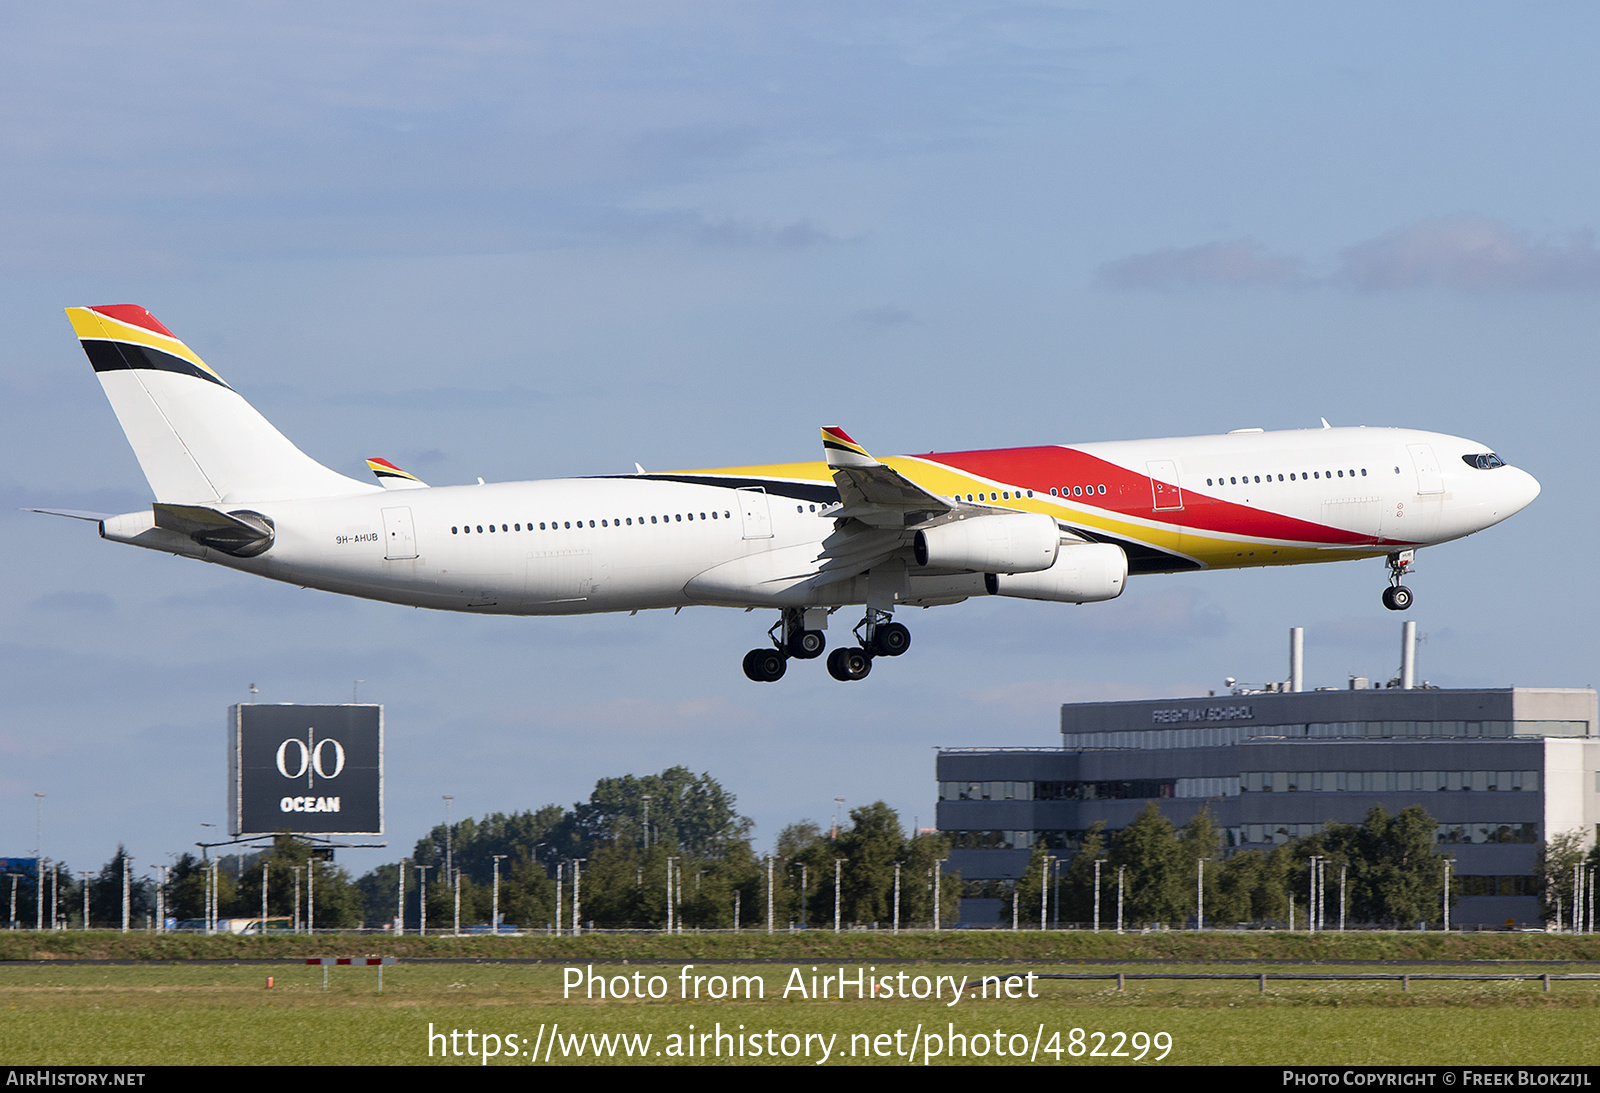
(524, 241)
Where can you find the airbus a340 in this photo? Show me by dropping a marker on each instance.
(1062, 523)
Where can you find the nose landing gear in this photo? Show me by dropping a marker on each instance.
(1397, 597)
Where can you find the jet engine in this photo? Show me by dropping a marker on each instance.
(1082, 573)
(1017, 542)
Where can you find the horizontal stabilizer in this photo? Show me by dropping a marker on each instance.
(75, 514)
(242, 533)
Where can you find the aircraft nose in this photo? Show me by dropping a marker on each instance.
(1519, 488)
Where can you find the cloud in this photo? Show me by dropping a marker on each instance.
(1473, 253)
(94, 603)
(884, 317)
(704, 229)
(1230, 263)
(1469, 253)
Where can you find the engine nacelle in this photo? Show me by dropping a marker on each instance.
(1016, 542)
(1083, 573)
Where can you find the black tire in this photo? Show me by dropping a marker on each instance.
(1399, 598)
(891, 639)
(807, 644)
(849, 664)
(764, 665)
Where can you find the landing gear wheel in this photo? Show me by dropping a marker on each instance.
(891, 639)
(849, 664)
(764, 665)
(1397, 598)
(806, 644)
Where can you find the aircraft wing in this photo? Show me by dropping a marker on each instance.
(877, 495)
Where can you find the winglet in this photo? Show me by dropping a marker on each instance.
(392, 477)
(842, 451)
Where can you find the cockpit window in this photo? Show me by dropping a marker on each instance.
(1483, 461)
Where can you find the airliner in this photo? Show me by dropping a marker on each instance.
(1062, 523)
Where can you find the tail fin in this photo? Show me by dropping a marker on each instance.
(197, 440)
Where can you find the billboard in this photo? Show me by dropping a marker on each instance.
(314, 770)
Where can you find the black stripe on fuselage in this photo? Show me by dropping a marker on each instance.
(822, 494)
(109, 356)
(1141, 558)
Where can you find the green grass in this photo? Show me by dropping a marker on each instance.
(821, 945)
(164, 1013)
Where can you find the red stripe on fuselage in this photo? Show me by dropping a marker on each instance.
(1128, 493)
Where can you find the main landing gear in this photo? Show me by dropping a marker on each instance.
(878, 634)
(1397, 597)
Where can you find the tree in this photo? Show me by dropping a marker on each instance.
(1397, 877)
(1077, 894)
(1157, 869)
(871, 846)
(693, 811)
(1559, 855)
(105, 895)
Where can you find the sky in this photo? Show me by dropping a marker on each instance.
(527, 241)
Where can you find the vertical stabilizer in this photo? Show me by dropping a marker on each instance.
(197, 440)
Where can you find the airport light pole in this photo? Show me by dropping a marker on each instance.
(38, 863)
(671, 862)
(494, 923)
(577, 888)
(85, 875)
(838, 875)
(1200, 897)
(897, 897)
(1098, 862)
(449, 856)
(1120, 870)
(1044, 894)
(938, 875)
(127, 894)
(422, 899)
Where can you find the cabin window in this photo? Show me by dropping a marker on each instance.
(453, 531)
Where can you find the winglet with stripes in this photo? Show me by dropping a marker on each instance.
(841, 451)
(392, 477)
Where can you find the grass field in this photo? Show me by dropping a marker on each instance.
(162, 1012)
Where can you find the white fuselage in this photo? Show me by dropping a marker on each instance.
(572, 546)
